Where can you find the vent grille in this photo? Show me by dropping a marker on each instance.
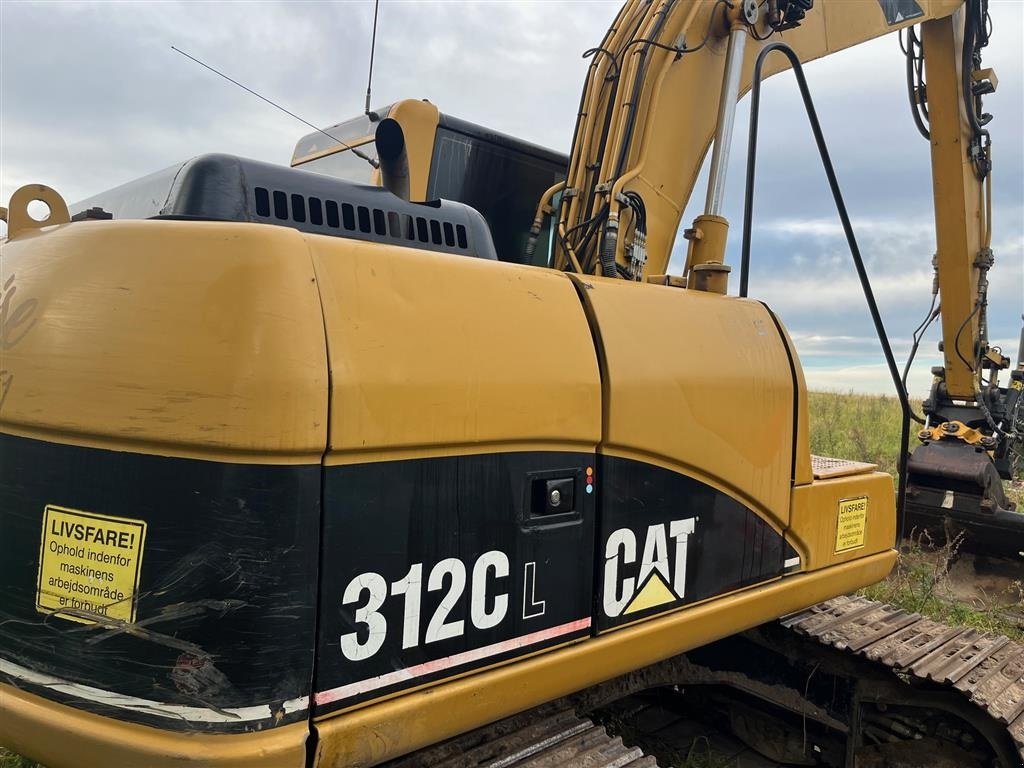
(376, 221)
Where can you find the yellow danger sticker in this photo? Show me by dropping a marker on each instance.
(852, 523)
(89, 564)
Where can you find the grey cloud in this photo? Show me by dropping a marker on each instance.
(105, 99)
(91, 95)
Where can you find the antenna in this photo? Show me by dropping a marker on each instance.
(373, 46)
(355, 151)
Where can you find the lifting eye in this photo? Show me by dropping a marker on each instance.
(28, 200)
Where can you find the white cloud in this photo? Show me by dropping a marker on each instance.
(842, 294)
(871, 378)
(832, 228)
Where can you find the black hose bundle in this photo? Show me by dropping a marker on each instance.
(851, 240)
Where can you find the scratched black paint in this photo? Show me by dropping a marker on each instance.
(383, 517)
(229, 578)
(228, 583)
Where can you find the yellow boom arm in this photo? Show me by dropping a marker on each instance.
(653, 100)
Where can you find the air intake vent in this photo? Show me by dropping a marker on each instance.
(386, 224)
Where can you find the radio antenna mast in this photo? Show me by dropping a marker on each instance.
(355, 151)
(373, 45)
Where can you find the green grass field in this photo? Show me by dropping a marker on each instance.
(864, 428)
(10, 760)
(867, 428)
(857, 427)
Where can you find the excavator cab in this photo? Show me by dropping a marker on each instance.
(500, 176)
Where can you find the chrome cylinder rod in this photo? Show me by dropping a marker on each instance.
(726, 118)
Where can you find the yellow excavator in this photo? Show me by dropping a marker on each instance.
(376, 460)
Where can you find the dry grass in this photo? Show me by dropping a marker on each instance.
(1015, 492)
(921, 583)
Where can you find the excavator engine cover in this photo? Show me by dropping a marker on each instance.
(218, 187)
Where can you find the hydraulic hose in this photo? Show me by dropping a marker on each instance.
(914, 87)
(608, 246)
(851, 240)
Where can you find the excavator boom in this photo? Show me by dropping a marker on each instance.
(663, 85)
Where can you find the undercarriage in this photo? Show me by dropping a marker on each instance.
(848, 683)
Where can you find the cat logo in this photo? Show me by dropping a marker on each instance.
(898, 11)
(662, 575)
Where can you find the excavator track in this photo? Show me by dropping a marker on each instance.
(988, 669)
(549, 736)
(893, 655)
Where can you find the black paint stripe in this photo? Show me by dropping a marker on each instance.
(225, 601)
(243, 579)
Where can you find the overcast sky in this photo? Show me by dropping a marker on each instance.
(91, 96)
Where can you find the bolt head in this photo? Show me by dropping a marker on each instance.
(556, 498)
(750, 11)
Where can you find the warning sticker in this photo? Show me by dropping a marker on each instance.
(89, 563)
(852, 523)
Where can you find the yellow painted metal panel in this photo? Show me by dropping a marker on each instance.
(62, 737)
(958, 204)
(432, 353)
(818, 508)
(199, 339)
(709, 395)
(802, 471)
